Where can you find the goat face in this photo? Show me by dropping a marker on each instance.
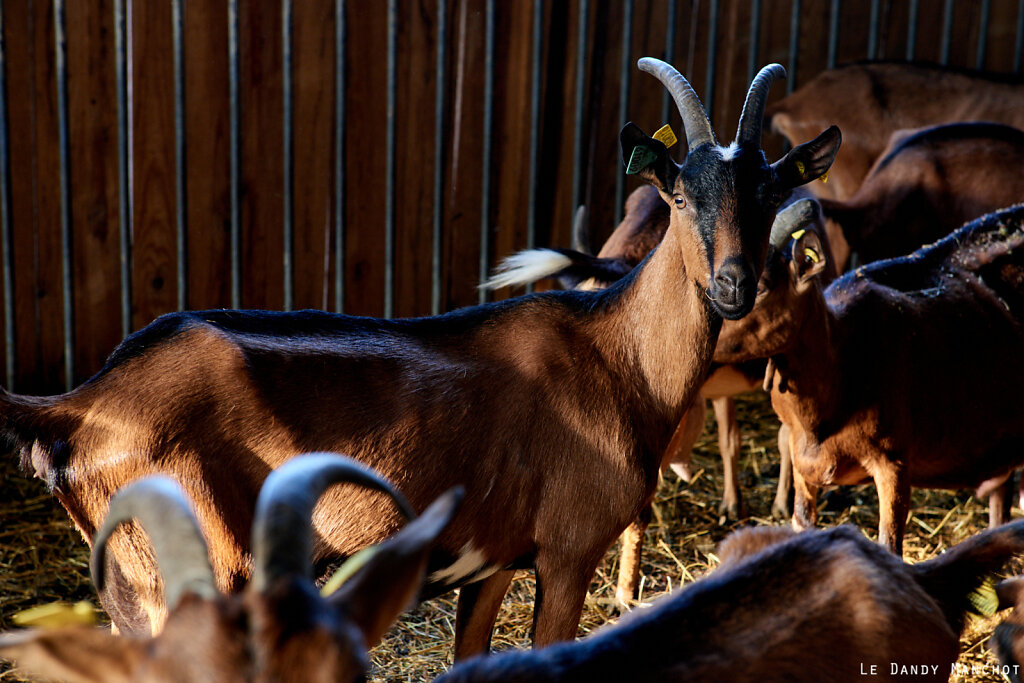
(723, 199)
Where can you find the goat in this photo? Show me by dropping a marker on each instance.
(752, 618)
(640, 231)
(926, 184)
(528, 403)
(871, 101)
(278, 628)
(905, 371)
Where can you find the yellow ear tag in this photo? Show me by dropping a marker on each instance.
(824, 177)
(800, 168)
(666, 136)
(345, 571)
(798, 234)
(811, 254)
(57, 614)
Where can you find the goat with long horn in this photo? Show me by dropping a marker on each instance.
(552, 410)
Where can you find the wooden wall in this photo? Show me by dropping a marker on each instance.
(198, 193)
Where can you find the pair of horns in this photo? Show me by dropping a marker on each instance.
(282, 533)
(695, 121)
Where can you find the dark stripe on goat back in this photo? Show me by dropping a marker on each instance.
(316, 323)
(968, 130)
(974, 244)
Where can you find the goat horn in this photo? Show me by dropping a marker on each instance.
(792, 218)
(160, 506)
(581, 231)
(749, 130)
(695, 120)
(282, 536)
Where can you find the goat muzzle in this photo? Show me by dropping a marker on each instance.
(733, 289)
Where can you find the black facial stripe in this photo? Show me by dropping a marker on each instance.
(708, 180)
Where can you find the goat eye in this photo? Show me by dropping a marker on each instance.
(680, 202)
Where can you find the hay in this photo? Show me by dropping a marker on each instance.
(43, 558)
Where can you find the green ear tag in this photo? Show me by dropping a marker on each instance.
(641, 157)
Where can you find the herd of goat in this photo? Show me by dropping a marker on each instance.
(200, 463)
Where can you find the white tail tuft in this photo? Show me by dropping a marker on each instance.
(527, 267)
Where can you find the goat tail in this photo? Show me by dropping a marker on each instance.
(952, 577)
(24, 420)
(569, 266)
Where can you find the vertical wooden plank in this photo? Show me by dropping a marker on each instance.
(415, 154)
(554, 194)
(511, 132)
(18, 74)
(466, 110)
(262, 155)
(313, 93)
(154, 256)
(36, 202)
(1002, 36)
(602, 159)
(95, 216)
(929, 31)
(207, 179)
(365, 122)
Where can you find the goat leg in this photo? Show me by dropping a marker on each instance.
(477, 610)
(805, 501)
(629, 560)
(562, 584)
(780, 507)
(999, 502)
(893, 485)
(731, 507)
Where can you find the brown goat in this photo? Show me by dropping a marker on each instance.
(871, 101)
(905, 371)
(278, 628)
(642, 227)
(776, 592)
(530, 403)
(927, 184)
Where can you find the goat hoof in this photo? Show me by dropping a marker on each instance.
(729, 512)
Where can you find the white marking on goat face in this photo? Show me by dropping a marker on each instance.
(728, 153)
(471, 563)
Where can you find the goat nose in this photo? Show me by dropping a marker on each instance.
(731, 282)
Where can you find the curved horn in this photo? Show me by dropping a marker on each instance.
(749, 130)
(160, 506)
(695, 120)
(581, 231)
(282, 536)
(792, 218)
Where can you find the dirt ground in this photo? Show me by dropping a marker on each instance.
(43, 559)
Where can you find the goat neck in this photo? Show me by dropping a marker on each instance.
(662, 329)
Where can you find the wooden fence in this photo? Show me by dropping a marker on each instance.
(366, 156)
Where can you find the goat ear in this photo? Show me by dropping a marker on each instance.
(648, 158)
(808, 161)
(390, 580)
(75, 654)
(809, 257)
